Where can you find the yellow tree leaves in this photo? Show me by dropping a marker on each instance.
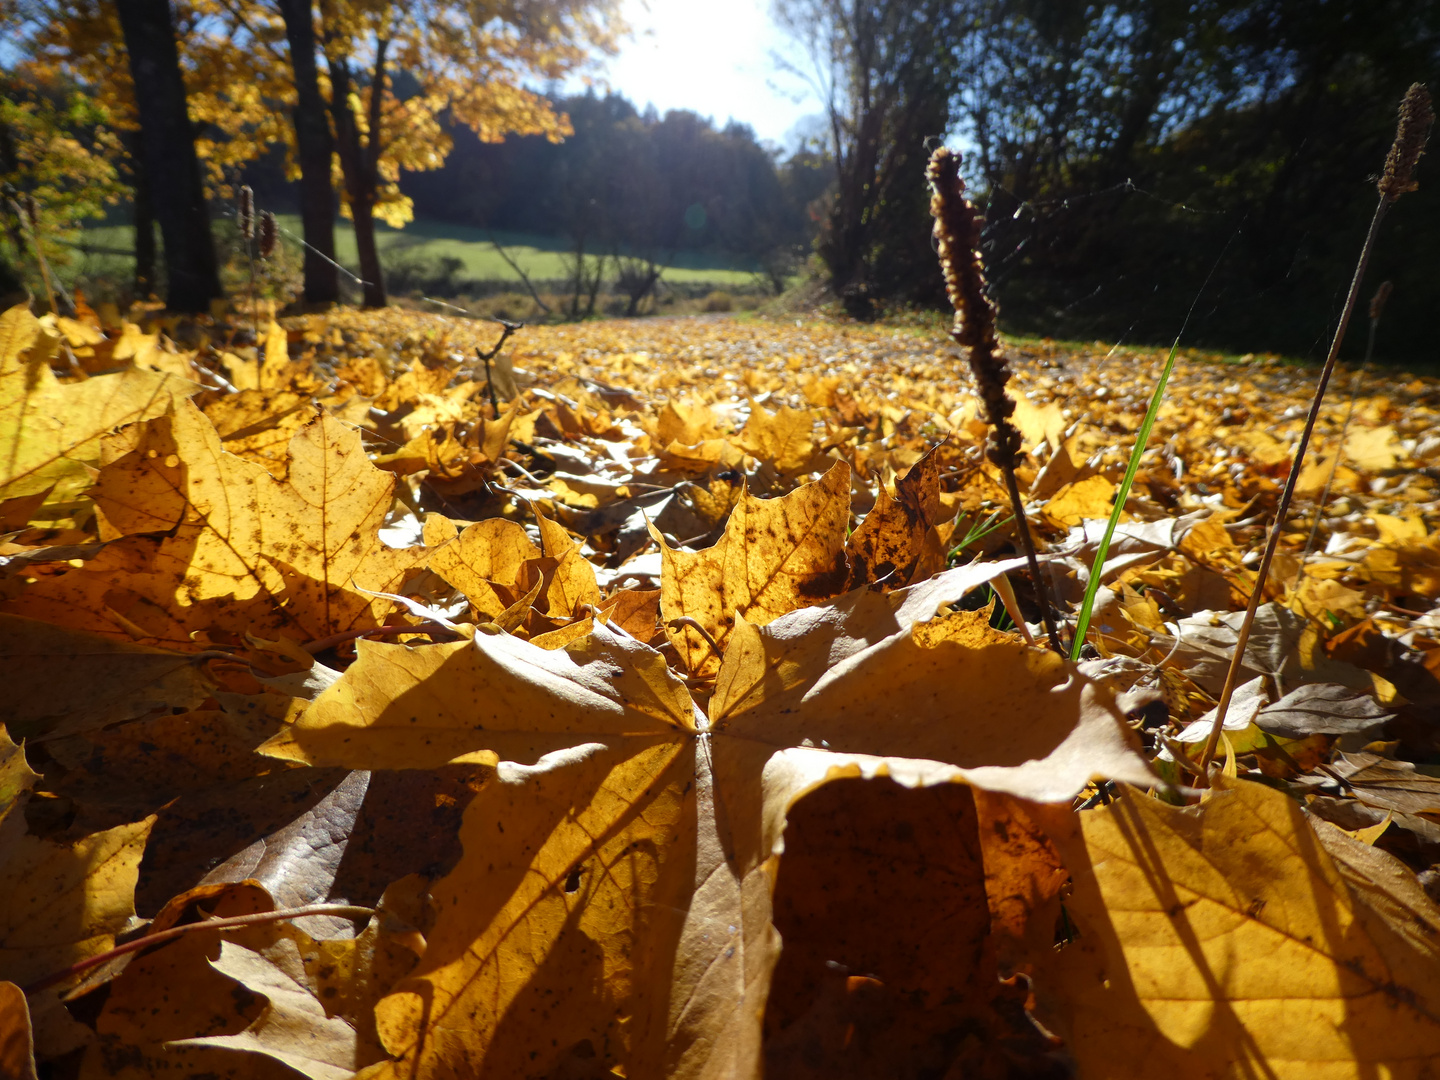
(897, 544)
(783, 439)
(810, 839)
(64, 681)
(560, 937)
(17, 1043)
(1225, 940)
(491, 699)
(50, 432)
(775, 555)
(77, 896)
(241, 551)
(614, 902)
(321, 996)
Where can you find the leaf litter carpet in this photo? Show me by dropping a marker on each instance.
(660, 701)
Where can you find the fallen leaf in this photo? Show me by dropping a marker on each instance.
(775, 555)
(17, 1043)
(63, 682)
(496, 696)
(321, 996)
(625, 855)
(572, 588)
(242, 551)
(1323, 709)
(488, 553)
(782, 439)
(50, 432)
(76, 896)
(897, 543)
(1039, 423)
(1373, 449)
(1172, 910)
(1074, 503)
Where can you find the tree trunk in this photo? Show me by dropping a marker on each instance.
(315, 145)
(359, 162)
(169, 159)
(143, 218)
(371, 273)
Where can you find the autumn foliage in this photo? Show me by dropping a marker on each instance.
(674, 720)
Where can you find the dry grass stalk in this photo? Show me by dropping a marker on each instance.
(957, 238)
(1416, 116)
(1377, 305)
(245, 214)
(269, 234)
(245, 221)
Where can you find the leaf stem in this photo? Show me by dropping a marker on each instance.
(351, 911)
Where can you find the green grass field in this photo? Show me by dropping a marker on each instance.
(103, 252)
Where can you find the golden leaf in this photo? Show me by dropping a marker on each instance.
(775, 555)
(897, 543)
(573, 584)
(614, 903)
(498, 696)
(1225, 941)
(1087, 499)
(63, 902)
(63, 681)
(782, 439)
(17, 1043)
(489, 553)
(1373, 449)
(242, 551)
(1039, 423)
(322, 995)
(50, 432)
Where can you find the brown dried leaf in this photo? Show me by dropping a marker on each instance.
(897, 544)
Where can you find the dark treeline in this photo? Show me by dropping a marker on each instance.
(637, 188)
(1124, 149)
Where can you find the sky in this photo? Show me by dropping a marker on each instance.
(714, 58)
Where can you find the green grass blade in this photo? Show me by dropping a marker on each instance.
(1141, 438)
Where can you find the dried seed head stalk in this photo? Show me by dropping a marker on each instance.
(1413, 130)
(269, 234)
(1416, 116)
(957, 239)
(245, 216)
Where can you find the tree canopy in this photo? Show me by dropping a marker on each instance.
(1123, 147)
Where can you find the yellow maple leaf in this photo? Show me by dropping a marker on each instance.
(1087, 499)
(1228, 941)
(614, 904)
(50, 432)
(782, 439)
(65, 901)
(1373, 449)
(775, 555)
(897, 543)
(240, 551)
